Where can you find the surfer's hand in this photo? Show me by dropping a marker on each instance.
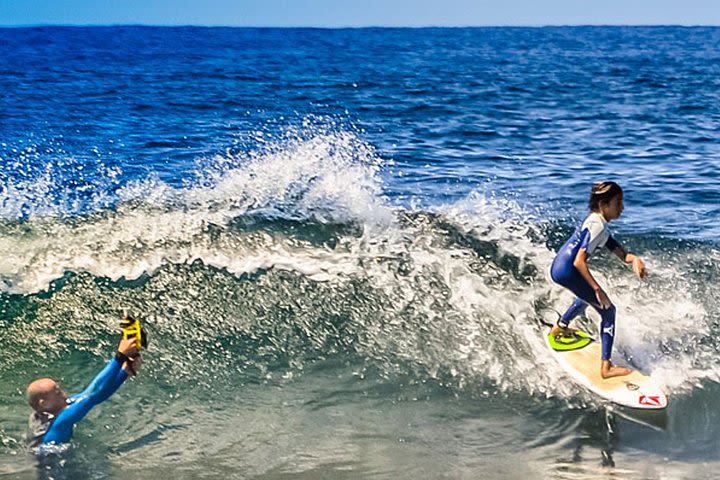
(132, 366)
(128, 347)
(602, 298)
(638, 267)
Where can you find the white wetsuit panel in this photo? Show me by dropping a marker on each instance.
(597, 226)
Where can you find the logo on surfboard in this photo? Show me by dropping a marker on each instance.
(631, 386)
(650, 400)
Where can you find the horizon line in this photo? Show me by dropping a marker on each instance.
(353, 27)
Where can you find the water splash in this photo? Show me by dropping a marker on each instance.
(289, 254)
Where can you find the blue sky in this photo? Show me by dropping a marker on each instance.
(354, 13)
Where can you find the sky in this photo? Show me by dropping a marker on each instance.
(359, 13)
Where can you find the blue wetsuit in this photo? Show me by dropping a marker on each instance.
(46, 429)
(592, 234)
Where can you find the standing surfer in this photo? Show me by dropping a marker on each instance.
(570, 269)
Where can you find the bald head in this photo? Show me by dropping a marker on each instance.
(45, 395)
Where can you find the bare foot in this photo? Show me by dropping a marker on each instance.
(558, 330)
(608, 370)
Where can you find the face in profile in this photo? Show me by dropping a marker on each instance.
(45, 395)
(614, 208)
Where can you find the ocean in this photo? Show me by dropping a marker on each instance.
(338, 240)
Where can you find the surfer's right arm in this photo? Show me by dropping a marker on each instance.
(100, 389)
(580, 263)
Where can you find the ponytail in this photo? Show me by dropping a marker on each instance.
(603, 192)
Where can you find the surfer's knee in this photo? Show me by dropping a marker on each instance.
(608, 314)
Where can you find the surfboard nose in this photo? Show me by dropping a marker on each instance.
(644, 395)
(651, 401)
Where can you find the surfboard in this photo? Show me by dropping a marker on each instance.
(579, 355)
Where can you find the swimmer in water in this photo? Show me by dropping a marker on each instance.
(55, 415)
(570, 269)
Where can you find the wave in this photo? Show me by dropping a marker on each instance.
(290, 255)
(326, 178)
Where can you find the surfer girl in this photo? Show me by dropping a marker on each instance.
(570, 269)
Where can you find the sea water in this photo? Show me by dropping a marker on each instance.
(338, 241)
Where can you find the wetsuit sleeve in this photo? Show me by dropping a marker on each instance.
(596, 236)
(584, 239)
(611, 244)
(106, 382)
(103, 385)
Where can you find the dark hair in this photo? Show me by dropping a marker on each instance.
(603, 192)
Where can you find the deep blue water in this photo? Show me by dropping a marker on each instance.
(332, 221)
(452, 108)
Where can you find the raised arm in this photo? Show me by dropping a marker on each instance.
(103, 385)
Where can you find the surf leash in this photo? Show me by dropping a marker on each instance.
(545, 322)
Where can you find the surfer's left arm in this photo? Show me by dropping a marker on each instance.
(636, 262)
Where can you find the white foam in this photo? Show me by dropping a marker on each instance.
(326, 178)
(651, 314)
(447, 311)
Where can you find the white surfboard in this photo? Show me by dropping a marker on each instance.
(579, 355)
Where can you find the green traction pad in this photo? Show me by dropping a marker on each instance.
(570, 341)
